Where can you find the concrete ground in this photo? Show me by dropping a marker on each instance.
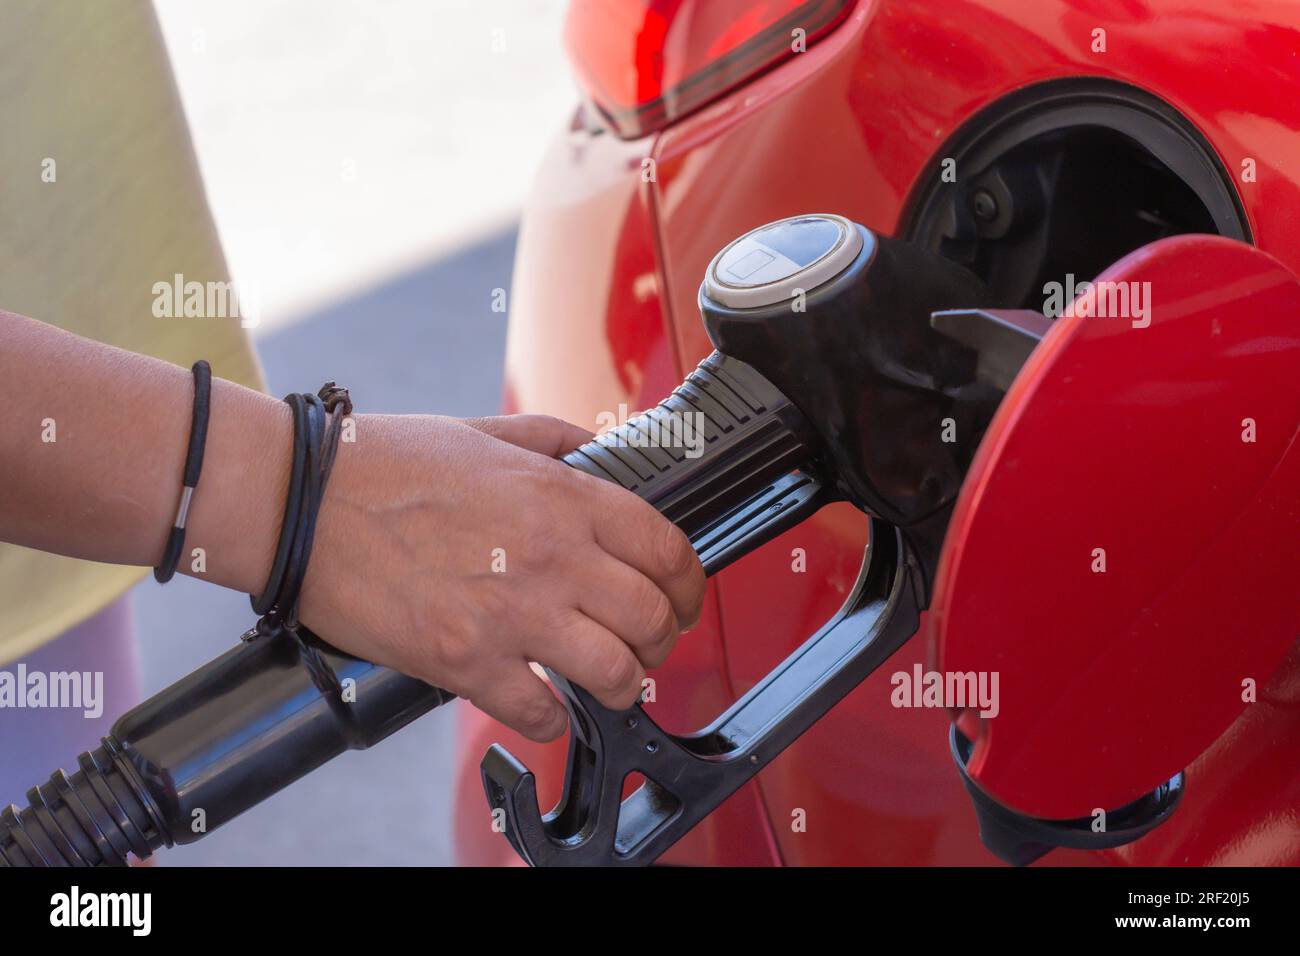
(426, 341)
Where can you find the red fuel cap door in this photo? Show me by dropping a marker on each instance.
(1125, 551)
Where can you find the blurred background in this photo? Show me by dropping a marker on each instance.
(365, 164)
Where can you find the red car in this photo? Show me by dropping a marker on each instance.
(1028, 141)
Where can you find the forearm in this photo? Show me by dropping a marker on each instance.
(92, 449)
(420, 518)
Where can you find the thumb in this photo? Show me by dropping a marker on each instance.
(543, 434)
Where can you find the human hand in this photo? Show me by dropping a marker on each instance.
(459, 551)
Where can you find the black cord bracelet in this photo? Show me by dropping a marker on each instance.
(263, 603)
(317, 426)
(193, 467)
(296, 567)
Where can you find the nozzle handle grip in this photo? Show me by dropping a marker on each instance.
(724, 435)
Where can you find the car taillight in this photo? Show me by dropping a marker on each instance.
(645, 63)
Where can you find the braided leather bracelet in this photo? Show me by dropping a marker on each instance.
(317, 425)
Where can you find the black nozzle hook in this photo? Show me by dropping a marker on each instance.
(687, 776)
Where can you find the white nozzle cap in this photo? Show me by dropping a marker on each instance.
(773, 263)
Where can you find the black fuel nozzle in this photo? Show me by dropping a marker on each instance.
(829, 383)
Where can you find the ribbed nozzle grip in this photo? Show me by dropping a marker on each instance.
(721, 435)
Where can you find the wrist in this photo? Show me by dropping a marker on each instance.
(238, 506)
(339, 538)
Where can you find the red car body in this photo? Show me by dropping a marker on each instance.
(604, 315)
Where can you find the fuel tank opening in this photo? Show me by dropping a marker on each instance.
(1058, 181)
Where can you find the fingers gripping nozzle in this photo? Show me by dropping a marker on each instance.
(828, 383)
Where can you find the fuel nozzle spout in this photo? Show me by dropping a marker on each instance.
(838, 319)
(827, 365)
